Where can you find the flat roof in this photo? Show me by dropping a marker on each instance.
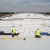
(27, 44)
(27, 25)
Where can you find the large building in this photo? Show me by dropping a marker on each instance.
(27, 24)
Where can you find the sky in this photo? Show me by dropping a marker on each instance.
(25, 5)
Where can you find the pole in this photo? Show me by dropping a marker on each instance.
(29, 9)
(15, 7)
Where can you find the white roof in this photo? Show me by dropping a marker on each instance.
(30, 22)
(27, 25)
